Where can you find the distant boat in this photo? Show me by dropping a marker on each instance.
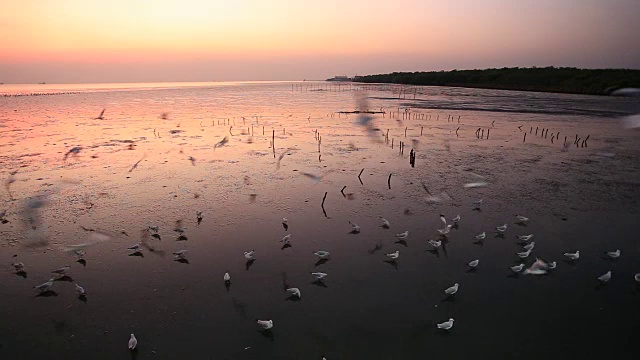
(42, 83)
(340, 78)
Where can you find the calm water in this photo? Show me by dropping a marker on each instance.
(586, 199)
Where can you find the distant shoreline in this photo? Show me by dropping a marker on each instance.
(548, 79)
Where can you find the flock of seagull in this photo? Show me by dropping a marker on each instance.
(539, 266)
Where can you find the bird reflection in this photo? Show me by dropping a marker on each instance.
(248, 264)
(402, 242)
(319, 283)
(375, 249)
(21, 273)
(47, 293)
(392, 263)
(320, 262)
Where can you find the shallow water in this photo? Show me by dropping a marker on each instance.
(583, 199)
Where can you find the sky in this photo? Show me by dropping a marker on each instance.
(85, 41)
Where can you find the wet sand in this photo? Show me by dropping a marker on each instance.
(585, 198)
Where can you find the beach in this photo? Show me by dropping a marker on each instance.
(585, 198)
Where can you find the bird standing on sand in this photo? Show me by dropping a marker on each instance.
(265, 324)
(394, 255)
(452, 290)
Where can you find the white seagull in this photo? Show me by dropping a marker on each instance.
(322, 254)
(133, 342)
(18, 266)
(524, 254)
(319, 275)
(605, 278)
(478, 203)
(525, 237)
(614, 254)
(385, 223)
(294, 292)
(456, 219)
(403, 235)
(502, 228)
(45, 286)
(517, 268)
(265, 324)
(435, 243)
(443, 219)
(394, 255)
(636, 277)
(530, 245)
(537, 268)
(522, 219)
(481, 236)
(286, 239)
(445, 231)
(80, 290)
(452, 290)
(446, 325)
(62, 271)
(227, 277)
(552, 265)
(249, 254)
(180, 254)
(356, 228)
(574, 256)
(135, 247)
(474, 263)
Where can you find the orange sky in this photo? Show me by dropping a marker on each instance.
(190, 40)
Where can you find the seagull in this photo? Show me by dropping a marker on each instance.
(294, 292)
(435, 243)
(452, 290)
(552, 265)
(62, 271)
(481, 236)
(180, 254)
(286, 239)
(456, 219)
(249, 254)
(445, 231)
(537, 268)
(265, 324)
(446, 325)
(322, 254)
(285, 223)
(18, 266)
(221, 142)
(525, 237)
(44, 287)
(101, 116)
(522, 219)
(502, 228)
(403, 235)
(478, 203)
(227, 277)
(614, 254)
(199, 216)
(636, 277)
(517, 268)
(155, 229)
(525, 254)
(394, 255)
(443, 219)
(356, 228)
(530, 245)
(385, 223)
(80, 290)
(474, 263)
(135, 247)
(476, 184)
(605, 278)
(319, 275)
(133, 342)
(574, 256)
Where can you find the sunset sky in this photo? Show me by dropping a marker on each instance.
(69, 41)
